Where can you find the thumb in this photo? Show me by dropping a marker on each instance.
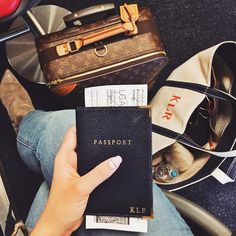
(69, 142)
(100, 173)
(67, 150)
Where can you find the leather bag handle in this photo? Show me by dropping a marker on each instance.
(129, 15)
(182, 138)
(69, 19)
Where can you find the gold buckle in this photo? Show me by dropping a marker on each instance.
(69, 47)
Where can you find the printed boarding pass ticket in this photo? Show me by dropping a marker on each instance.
(116, 223)
(116, 95)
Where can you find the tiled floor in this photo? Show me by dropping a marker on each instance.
(4, 204)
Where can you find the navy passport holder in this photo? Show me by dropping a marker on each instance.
(104, 132)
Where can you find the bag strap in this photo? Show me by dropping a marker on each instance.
(211, 92)
(182, 138)
(229, 168)
(89, 11)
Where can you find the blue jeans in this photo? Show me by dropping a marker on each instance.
(38, 141)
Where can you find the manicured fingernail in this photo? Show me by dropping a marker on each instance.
(115, 162)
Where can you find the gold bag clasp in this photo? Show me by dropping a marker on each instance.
(69, 47)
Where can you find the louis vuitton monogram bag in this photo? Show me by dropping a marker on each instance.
(121, 49)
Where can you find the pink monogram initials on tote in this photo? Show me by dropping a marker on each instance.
(172, 103)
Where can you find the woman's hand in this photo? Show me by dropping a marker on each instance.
(70, 192)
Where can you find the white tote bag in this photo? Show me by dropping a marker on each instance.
(202, 87)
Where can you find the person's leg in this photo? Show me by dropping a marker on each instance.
(15, 99)
(40, 136)
(37, 206)
(167, 220)
(40, 133)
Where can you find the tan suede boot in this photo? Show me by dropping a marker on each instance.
(14, 98)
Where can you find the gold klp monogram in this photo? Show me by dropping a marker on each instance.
(137, 210)
(118, 142)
